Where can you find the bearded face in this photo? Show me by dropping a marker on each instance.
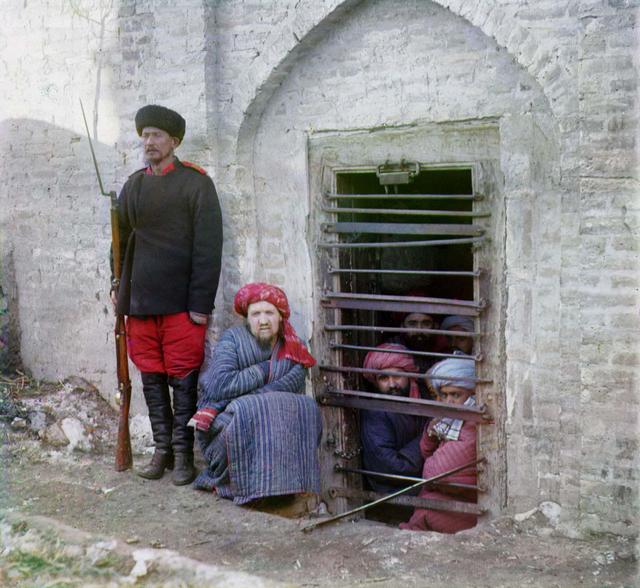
(264, 322)
(393, 385)
(416, 340)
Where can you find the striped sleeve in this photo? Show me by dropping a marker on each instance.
(226, 378)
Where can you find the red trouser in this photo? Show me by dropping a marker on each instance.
(169, 344)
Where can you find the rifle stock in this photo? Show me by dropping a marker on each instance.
(124, 459)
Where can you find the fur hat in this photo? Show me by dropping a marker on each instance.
(161, 118)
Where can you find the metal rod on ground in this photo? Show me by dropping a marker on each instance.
(342, 469)
(312, 526)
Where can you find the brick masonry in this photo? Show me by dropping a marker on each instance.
(256, 81)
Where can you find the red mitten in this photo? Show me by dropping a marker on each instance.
(203, 418)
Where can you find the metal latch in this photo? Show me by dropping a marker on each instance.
(393, 174)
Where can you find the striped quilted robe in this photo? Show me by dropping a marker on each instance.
(264, 440)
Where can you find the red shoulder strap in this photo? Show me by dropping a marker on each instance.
(193, 166)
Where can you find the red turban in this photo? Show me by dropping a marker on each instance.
(385, 360)
(293, 348)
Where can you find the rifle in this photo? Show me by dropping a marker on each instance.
(123, 397)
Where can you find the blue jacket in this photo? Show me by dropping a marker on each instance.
(390, 445)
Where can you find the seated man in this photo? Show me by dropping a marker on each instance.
(459, 344)
(391, 441)
(446, 444)
(257, 430)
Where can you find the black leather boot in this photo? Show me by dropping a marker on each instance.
(185, 399)
(184, 472)
(160, 462)
(156, 394)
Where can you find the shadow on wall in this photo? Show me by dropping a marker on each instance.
(55, 244)
(9, 319)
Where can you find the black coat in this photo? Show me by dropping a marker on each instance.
(391, 445)
(170, 241)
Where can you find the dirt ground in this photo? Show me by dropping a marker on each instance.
(82, 491)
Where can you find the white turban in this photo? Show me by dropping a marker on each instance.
(446, 372)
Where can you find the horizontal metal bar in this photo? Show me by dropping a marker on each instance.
(385, 406)
(403, 351)
(475, 274)
(341, 469)
(369, 400)
(393, 298)
(402, 228)
(388, 244)
(409, 307)
(414, 501)
(381, 329)
(358, 370)
(334, 196)
(407, 212)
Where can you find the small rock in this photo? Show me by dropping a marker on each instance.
(523, 516)
(100, 552)
(139, 570)
(157, 544)
(132, 540)
(76, 433)
(144, 564)
(605, 559)
(37, 421)
(54, 435)
(551, 510)
(18, 423)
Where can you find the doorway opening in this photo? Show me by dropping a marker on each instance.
(399, 241)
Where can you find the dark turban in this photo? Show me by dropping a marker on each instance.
(293, 348)
(390, 357)
(161, 118)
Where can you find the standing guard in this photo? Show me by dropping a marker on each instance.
(171, 244)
